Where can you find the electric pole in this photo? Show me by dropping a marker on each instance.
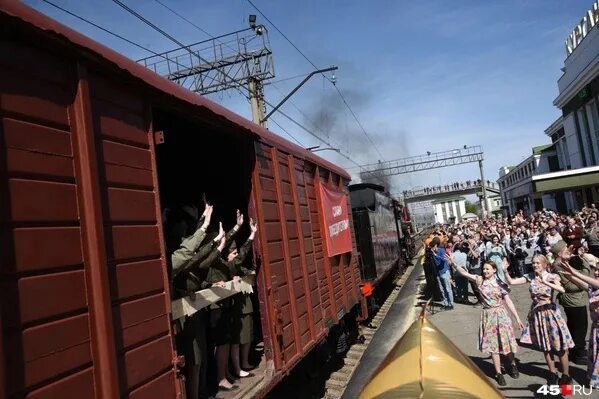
(257, 101)
(226, 62)
(230, 61)
(484, 207)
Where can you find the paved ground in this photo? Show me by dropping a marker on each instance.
(461, 326)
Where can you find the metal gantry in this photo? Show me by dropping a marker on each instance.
(223, 62)
(431, 160)
(463, 188)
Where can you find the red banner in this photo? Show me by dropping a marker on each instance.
(336, 219)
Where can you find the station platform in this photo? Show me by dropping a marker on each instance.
(461, 326)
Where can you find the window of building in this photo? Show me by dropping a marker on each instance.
(580, 139)
(593, 110)
(586, 132)
(566, 153)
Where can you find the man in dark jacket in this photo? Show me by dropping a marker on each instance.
(443, 273)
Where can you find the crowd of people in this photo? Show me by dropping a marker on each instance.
(217, 338)
(549, 252)
(448, 187)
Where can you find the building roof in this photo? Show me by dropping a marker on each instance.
(92, 50)
(535, 151)
(541, 148)
(566, 179)
(555, 126)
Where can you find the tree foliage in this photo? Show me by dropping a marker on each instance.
(470, 207)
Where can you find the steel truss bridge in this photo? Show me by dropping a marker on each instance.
(430, 160)
(433, 160)
(444, 191)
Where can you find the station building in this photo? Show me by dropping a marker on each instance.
(449, 210)
(516, 182)
(571, 178)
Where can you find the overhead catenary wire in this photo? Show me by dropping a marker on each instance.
(143, 19)
(139, 16)
(99, 27)
(105, 30)
(210, 35)
(186, 19)
(161, 31)
(288, 134)
(329, 79)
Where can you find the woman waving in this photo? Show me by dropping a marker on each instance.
(546, 329)
(496, 333)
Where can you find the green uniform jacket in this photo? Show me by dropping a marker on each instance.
(218, 270)
(237, 264)
(180, 259)
(574, 295)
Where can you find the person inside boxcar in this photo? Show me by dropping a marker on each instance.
(217, 274)
(192, 339)
(180, 222)
(242, 329)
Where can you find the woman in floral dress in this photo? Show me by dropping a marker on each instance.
(496, 333)
(591, 284)
(546, 328)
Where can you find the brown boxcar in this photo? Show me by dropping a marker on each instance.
(84, 289)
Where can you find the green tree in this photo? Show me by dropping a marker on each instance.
(470, 207)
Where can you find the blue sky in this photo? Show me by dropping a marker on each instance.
(421, 76)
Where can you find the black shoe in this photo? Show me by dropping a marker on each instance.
(553, 379)
(514, 373)
(565, 379)
(500, 380)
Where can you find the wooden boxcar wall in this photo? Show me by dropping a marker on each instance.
(304, 291)
(84, 308)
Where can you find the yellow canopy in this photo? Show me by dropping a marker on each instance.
(425, 364)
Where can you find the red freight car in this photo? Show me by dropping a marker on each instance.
(84, 293)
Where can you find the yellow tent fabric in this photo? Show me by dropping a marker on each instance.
(425, 364)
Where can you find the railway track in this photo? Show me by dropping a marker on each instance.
(338, 380)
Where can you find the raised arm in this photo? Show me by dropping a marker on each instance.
(210, 252)
(511, 281)
(459, 269)
(182, 258)
(236, 265)
(553, 283)
(231, 233)
(578, 278)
